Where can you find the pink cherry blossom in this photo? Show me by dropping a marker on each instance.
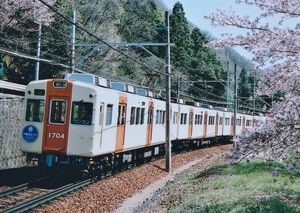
(14, 12)
(278, 47)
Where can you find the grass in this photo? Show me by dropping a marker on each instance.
(246, 187)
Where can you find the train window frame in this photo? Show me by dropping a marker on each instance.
(51, 112)
(211, 120)
(227, 121)
(109, 114)
(221, 120)
(191, 118)
(150, 116)
(196, 119)
(142, 115)
(121, 114)
(101, 114)
(83, 115)
(41, 111)
(39, 92)
(132, 115)
(138, 115)
(182, 118)
(175, 118)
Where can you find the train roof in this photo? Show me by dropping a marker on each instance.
(138, 90)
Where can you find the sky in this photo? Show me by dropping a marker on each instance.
(195, 10)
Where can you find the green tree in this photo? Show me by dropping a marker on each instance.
(205, 66)
(180, 36)
(244, 86)
(140, 20)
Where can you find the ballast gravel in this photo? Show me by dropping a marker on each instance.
(108, 194)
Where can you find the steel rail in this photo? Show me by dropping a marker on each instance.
(30, 204)
(20, 187)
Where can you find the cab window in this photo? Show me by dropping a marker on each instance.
(82, 113)
(58, 111)
(35, 110)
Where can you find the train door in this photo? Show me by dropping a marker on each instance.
(57, 125)
(149, 123)
(190, 133)
(121, 123)
(217, 124)
(101, 116)
(223, 123)
(205, 124)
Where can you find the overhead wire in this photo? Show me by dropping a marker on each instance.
(79, 26)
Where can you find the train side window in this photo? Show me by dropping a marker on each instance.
(175, 118)
(101, 114)
(239, 122)
(190, 118)
(82, 113)
(163, 117)
(181, 118)
(35, 110)
(121, 114)
(160, 117)
(142, 115)
(150, 116)
(227, 121)
(138, 115)
(201, 118)
(211, 120)
(58, 111)
(157, 117)
(132, 115)
(109, 111)
(221, 121)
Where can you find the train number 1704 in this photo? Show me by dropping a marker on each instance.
(56, 135)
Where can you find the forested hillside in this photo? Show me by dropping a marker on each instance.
(117, 22)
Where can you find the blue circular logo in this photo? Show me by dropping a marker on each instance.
(30, 133)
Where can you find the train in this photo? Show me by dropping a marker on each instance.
(84, 121)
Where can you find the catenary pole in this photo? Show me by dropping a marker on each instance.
(168, 97)
(235, 101)
(73, 39)
(254, 79)
(38, 54)
(228, 76)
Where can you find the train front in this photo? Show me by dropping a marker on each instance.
(51, 107)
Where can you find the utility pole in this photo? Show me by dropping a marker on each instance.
(235, 101)
(227, 79)
(168, 97)
(254, 82)
(178, 88)
(38, 53)
(73, 39)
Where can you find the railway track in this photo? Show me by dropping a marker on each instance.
(26, 196)
(20, 187)
(33, 197)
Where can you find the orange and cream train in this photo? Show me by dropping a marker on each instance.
(83, 118)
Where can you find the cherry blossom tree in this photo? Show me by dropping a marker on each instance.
(277, 47)
(14, 13)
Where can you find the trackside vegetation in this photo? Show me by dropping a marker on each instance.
(245, 187)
